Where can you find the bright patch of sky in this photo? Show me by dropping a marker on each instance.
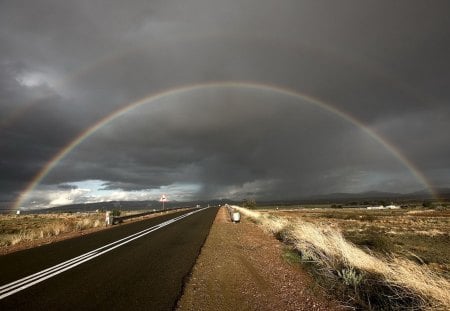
(34, 79)
(90, 191)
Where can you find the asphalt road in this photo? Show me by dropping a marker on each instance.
(144, 271)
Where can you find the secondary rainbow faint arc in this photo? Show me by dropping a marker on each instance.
(220, 84)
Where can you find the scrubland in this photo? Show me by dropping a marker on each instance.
(376, 260)
(19, 229)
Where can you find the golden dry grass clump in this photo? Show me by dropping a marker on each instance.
(335, 255)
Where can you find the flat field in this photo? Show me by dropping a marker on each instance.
(422, 235)
(18, 231)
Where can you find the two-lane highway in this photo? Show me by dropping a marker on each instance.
(139, 266)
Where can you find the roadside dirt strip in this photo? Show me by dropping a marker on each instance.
(242, 268)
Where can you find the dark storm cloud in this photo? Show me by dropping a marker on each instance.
(65, 65)
(244, 141)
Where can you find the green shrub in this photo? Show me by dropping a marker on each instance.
(292, 256)
(376, 242)
(350, 277)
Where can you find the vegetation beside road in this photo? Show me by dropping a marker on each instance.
(362, 277)
(421, 235)
(29, 230)
(16, 229)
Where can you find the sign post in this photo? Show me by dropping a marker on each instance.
(163, 199)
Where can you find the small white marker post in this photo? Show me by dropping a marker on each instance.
(108, 218)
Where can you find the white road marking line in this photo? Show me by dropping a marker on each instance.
(46, 271)
(28, 281)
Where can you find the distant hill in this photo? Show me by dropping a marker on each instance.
(126, 205)
(370, 196)
(443, 193)
(361, 195)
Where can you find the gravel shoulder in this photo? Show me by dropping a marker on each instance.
(242, 268)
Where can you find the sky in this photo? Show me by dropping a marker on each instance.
(257, 99)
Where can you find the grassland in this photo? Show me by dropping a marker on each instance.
(372, 259)
(20, 229)
(421, 235)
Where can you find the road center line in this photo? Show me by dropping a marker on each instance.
(28, 281)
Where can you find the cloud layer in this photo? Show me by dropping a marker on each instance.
(64, 66)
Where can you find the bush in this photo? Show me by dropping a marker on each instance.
(283, 235)
(376, 241)
(350, 277)
(427, 204)
(116, 213)
(292, 256)
(249, 203)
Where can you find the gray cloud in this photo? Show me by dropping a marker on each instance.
(67, 187)
(64, 66)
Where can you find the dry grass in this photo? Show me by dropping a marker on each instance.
(24, 231)
(15, 230)
(411, 285)
(419, 235)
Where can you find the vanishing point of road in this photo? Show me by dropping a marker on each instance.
(138, 266)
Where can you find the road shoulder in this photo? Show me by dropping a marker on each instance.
(242, 268)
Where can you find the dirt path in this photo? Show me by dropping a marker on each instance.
(241, 268)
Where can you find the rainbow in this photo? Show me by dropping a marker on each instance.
(211, 85)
